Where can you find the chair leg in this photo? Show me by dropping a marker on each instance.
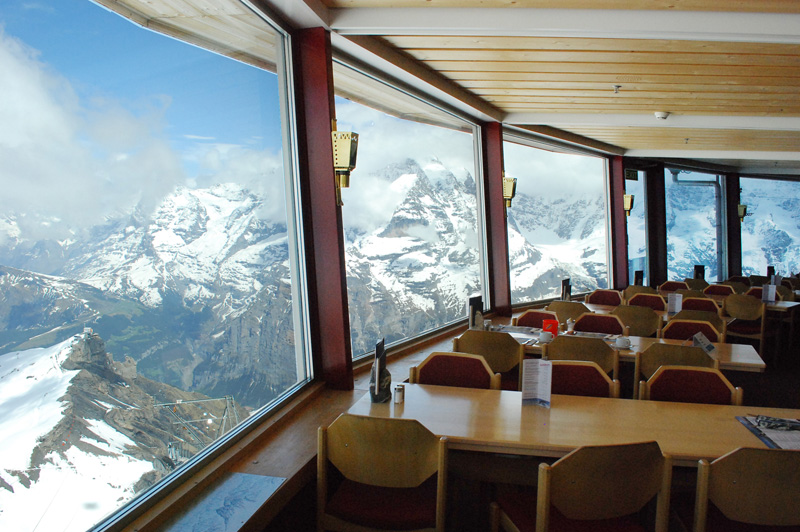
(494, 517)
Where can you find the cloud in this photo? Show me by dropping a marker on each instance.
(385, 140)
(551, 174)
(70, 162)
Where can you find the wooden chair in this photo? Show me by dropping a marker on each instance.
(739, 279)
(703, 315)
(688, 384)
(784, 293)
(455, 369)
(738, 288)
(609, 484)
(599, 323)
(633, 289)
(696, 284)
(748, 315)
(758, 292)
(578, 348)
(748, 487)
(603, 296)
(718, 290)
(567, 309)
(639, 321)
(758, 280)
(581, 377)
(671, 286)
(533, 318)
(648, 361)
(502, 352)
(654, 301)
(685, 329)
(690, 293)
(700, 303)
(395, 476)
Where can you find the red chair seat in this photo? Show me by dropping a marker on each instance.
(387, 508)
(685, 386)
(745, 326)
(578, 380)
(521, 509)
(684, 330)
(509, 380)
(600, 323)
(469, 373)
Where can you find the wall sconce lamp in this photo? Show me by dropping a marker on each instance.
(742, 212)
(627, 203)
(509, 189)
(345, 149)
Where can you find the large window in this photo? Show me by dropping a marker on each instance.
(693, 224)
(636, 224)
(557, 224)
(771, 230)
(410, 216)
(150, 295)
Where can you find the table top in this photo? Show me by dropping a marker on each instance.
(497, 421)
(736, 357)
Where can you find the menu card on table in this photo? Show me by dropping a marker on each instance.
(674, 303)
(768, 293)
(776, 433)
(537, 378)
(475, 308)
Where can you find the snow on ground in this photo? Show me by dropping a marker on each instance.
(31, 385)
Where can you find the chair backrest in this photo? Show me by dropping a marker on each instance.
(758, 292)
(578, 348)
(688, 384)
(455, 369)
(700, 303)
(533, 318)
(357, 447)
(500, 350)
(739, 279)
(581, 377)
(696, 284)
(567, 309)
(784, 293)
(656, 355)
(690, 293)
(600, 323)
(629, 292)
(640, 321)
(702, 315)
(742, 307)
(604, 482)
(738, 288)
(684, 329)
(718, 290)
(654, 301)
(671, 286)
(758, 280)
(603, 296)
(754, 486)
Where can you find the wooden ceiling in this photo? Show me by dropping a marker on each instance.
(728, 73)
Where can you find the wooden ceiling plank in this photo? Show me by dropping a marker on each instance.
(625, 80)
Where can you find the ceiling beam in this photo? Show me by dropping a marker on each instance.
(559, 23)
(649, 120)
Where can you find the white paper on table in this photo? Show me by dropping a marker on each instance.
(700, 340)
(537, 378)
(768, 293)
(674, 303)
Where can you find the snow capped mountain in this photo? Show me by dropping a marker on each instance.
(77, 417)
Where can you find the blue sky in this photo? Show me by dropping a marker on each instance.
(96, 106)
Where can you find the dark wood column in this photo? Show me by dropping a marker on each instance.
(656, 225)
(618, 225)
(322, 218)
(734, 226)
(496, 225)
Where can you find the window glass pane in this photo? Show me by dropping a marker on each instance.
(411, 224)
(146, 269)
(771, 230)
(637, 228)
(557, 223)
(693, 224)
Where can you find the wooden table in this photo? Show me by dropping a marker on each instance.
(495, 421)
(735, 357)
